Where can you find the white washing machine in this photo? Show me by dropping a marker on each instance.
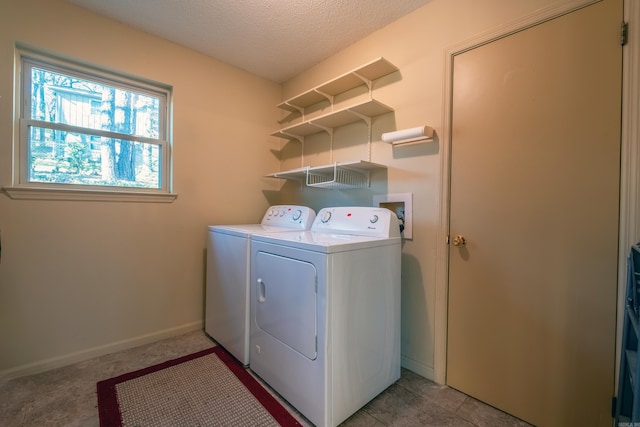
(227, 277)
(325, 311)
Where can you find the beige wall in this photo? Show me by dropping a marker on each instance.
(83, 278)
(416, 44)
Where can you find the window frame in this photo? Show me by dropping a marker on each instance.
(27, 58)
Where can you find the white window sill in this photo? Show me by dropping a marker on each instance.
(34, 193)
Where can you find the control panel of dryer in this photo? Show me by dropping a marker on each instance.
(357, 220)
(290, 216)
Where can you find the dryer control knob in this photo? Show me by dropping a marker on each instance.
(326, 217)
(374, 219)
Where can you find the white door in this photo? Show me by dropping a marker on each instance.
(535, 160)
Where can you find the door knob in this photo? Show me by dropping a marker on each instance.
(459, 240)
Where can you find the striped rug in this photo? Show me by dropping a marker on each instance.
(207, 388)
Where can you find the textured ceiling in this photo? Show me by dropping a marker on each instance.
(274, 39)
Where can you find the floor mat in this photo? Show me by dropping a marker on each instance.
(207, 388)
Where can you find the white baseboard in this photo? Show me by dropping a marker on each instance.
(417, 367)
(79, 356)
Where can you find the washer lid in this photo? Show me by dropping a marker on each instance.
(246, 230)
(324, 242)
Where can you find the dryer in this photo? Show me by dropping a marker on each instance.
(227, 274)
(325, 311)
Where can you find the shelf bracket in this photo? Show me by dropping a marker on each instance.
(368, 121)
(292, 136)
(330, 132)
(324, 128)
(330, 98)
(361, 116)
(295, 108)
(300, 139)
(366, 81)
(292, 115)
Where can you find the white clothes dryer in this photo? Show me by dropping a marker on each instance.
(227, 274)
(325, 311)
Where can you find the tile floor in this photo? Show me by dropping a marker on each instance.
(67, 396)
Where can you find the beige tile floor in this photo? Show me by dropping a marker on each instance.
(67, 396)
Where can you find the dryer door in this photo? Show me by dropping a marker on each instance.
(286, 301)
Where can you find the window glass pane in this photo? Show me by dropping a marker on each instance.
(87, 127)
(63, 157)
(66, 99)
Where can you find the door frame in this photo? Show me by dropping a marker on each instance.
(629, 168)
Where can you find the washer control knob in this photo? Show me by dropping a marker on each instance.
(297, 214)
(326, 217)
(282, 212)
(374, 219)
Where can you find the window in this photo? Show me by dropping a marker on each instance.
(84, 130)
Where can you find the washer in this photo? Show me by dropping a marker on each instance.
(227, 277)
(325, 311)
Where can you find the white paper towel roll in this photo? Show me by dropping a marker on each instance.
(408, 135)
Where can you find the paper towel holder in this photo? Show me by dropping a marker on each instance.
(406, 136)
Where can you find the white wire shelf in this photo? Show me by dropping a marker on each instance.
(337, 176)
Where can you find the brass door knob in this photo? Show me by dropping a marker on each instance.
(459, 240)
